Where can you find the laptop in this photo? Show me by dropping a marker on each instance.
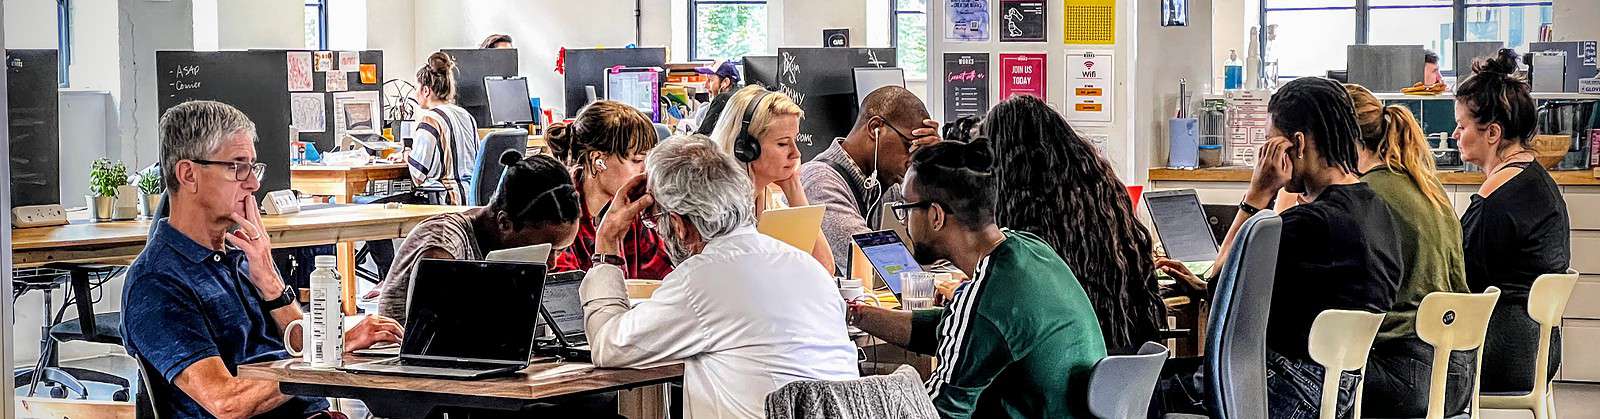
(562, 311)
(1182, 225)
(466, 330)
(539, 253)
(887, 221)
(797, 226)
(888, 256)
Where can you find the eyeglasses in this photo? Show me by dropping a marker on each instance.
(903, 137)
(651, 219)
(241, 170)
(903, 210)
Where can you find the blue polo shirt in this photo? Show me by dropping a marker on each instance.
(182, 303)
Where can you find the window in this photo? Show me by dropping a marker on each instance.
(316, 24)
(727, 29)
(909, 20)
(1515, 22)
(1311, 35)
(63, 41)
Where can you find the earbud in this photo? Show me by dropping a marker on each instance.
(600, 164)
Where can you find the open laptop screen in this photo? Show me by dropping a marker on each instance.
(561, 300)
(473, 310)
(1181, 223)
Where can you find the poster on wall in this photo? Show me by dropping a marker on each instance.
(1023, 74)
(966, 84)
(299, 63)
(968, 20)
(1092, 22)
(1174, 12)
(1089, 86)
(1022, 20)
(355, 113)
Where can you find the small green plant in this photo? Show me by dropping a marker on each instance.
(105, 177)
(150, 181)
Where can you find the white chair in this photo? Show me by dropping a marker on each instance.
(1120, 386)
(1547, 302)
(1340, 341)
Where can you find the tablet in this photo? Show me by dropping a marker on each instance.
(888, 256)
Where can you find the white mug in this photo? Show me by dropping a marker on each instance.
(310, 353)
(852, 290)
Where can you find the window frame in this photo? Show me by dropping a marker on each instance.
(63, 42)
(895, 11)
(322, 22)
(694, 27)
(1364, 8)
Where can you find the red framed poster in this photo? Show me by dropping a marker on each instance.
(1023, 74)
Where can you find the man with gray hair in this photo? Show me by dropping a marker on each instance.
(204, 296)
(744, 312)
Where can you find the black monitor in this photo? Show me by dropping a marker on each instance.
(32, 95)
(761, 70)
(508, 101)
(587, 68)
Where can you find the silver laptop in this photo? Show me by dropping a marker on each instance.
(562, 311)
(466, 329)
(1182, 225)
(539, 253)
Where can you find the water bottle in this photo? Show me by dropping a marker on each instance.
(1233, 72)
(323, 334)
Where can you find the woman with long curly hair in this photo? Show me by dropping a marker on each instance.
(1055, 184)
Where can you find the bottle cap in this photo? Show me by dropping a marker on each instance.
(328, 261)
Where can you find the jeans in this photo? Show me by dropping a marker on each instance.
(1398, 374)
(1294, 388)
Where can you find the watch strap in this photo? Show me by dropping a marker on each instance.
(601, 258)
(1248, 209)
(283, 300)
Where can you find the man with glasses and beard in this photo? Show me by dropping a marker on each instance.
(1020, 338)
(744, 312)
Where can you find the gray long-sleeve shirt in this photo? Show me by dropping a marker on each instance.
(843, 219)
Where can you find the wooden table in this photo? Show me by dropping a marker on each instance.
(120, 241)
(409, 397)
(343, 183)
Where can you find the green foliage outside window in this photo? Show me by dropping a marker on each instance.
(730, 31)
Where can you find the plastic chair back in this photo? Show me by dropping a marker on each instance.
(1454, 322)
(1340, 341)
(1120, 386)
(1236, 378)
(1547, 302)
(487, 177)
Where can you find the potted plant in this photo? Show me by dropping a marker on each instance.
(150, 188)
(104, 179)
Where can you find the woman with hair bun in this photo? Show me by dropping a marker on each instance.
(1516, 227)
(445, 149)
(605, 147)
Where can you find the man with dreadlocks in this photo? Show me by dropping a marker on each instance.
(1339, 249)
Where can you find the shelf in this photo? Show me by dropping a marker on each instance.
(1242, 174)
(1447, 96)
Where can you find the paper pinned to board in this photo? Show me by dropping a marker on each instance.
(299, 71)
(349, 61)
(356, 113)
(324, 60)
(308, 112)
(337, 81)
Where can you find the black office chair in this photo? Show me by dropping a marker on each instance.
(487, 176)
(106, 328)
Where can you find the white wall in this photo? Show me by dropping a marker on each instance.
(1576, 20)
(30, 24)
(391, 27)
(95, 59)
(804, 20)
(144, 27)
(1167, 54)
(260, 24)
(347, 24)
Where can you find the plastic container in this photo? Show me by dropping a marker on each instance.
(323, 336)
(1233, 72)
(1183, 136)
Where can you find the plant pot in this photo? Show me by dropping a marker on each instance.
(100, 207)
(148, 204)
(126, 206)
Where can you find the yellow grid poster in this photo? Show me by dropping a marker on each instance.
(1090, 22)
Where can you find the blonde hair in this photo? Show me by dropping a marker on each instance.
(771, 107)
(1394, 134)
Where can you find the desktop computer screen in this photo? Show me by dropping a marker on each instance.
(870, 79)
(637, 87)
(508, 101)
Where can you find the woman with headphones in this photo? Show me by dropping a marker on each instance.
(759, 128)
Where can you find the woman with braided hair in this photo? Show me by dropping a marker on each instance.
(1339, 249)
(1055, 184)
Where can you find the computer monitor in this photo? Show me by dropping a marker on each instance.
(639, 87)
(33, 110)
(869, 79)
(508, 101)
(760, 70)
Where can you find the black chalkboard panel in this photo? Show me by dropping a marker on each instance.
(255, 82)
(32, 95)
(471, 66)
(586, 67)
(822, 81)
(761, 70)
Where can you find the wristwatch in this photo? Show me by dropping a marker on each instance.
(283, 300)
(1251, 209)
(601, 258)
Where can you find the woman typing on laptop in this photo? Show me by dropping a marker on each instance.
(534, 204)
